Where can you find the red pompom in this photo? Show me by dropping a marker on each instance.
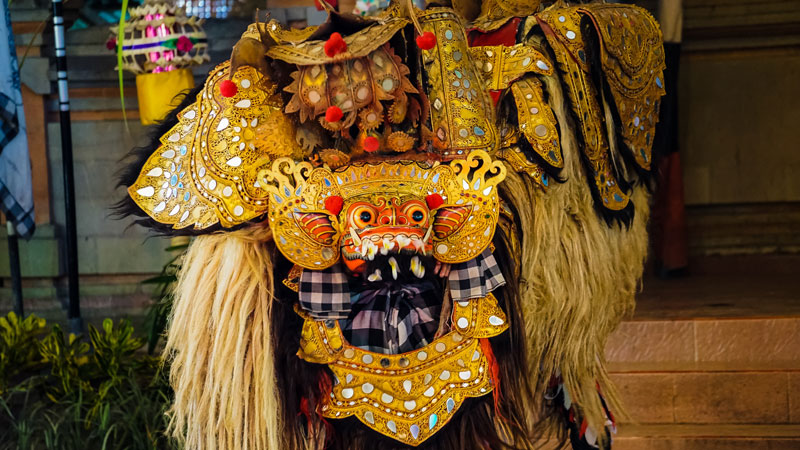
(333, 114)
(228, 88)
(426, 40)
(434, 201)
(111, 43)
(371, 143)
(318, 4)
(335, 45)
(334, 204)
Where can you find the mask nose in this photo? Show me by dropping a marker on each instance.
(388, 216)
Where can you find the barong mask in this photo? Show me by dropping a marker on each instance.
(403, 167)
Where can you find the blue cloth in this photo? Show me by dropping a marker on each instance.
(16, 189)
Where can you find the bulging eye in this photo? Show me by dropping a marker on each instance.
(363, 216)
(417, 214)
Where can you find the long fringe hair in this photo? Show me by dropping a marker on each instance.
(220, 345)
(578, 277)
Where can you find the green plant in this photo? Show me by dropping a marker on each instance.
(66, 393)
(18, 345)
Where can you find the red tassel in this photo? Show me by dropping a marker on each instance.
(584, 426)
(333, 114)
(494, 370)
(228, 88)
(304, 409)
(426, 40)
(335, 45)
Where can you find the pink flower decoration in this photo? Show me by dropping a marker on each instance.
(184, 44)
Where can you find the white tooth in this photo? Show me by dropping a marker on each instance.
(417, 268)
(393, 265)
(402, 241)
(354, 235)
(427, 234)
(384, 250)
(372, 250)
(388, 244)
(376, 276)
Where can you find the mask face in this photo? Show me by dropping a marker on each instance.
(384, 226)
(320, 217)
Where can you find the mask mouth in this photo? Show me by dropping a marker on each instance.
(397, 269)
(361, 247)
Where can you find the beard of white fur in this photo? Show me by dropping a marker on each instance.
(219, 345)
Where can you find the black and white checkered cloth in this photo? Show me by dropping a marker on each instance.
(394, 319)
(9, 122)
(325, 294)
(475, 278)
(23, 220)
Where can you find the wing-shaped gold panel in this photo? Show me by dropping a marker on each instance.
(205, 172)
(632, 57)
(537, 121)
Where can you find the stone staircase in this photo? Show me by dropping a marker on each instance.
(720, 371)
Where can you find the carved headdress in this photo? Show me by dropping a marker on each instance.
(409, 224)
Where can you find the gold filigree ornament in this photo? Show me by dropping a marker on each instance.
(310, 236)
(408, 396)
(462, 113)
(633, 62)
(206, 170)
(562, 30)
(537, 121)
(502, 64)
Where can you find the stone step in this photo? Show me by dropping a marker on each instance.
(726, 344)
(714, 372)
(725, 398)
(707, 437)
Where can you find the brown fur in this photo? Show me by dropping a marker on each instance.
(578, 276)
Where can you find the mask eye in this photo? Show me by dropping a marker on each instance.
(417, 214)
(363, 216)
